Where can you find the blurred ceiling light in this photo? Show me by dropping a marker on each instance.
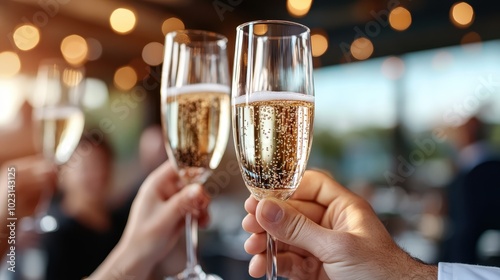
(172, 24)
(319, 44)
(74, 49)
(95, 49)
(10, 64)
(122, 20)
(11, 99)
(462, 14)
(152, 53)
(361, 48)
(393, 68)
(298, 8)
(125, 78)
(260, 29)
(26, 37)
(96, 93)
(400, 19)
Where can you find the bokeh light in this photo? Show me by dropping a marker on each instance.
(393, 68)
(125, 78)
(152, 53)
(122, 20)
(319, 44)
(172, 24)
(74, 49)
(260, 29)
(471, 41)
(26, 37)
(94, 49)
(361, 48)
(400, 19)
(96, 93)
(298, 8)
(10, 64)
(462, 14)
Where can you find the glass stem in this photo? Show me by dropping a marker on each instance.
(191, 242)
(272, 251)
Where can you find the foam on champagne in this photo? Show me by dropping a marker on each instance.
(197, 88)
(272, 95)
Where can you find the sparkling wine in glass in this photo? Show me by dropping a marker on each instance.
(195, 102)
(272, 110)
(59, 120)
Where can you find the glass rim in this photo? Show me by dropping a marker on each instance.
(242, 26)
(215, 38)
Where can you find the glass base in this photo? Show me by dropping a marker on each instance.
(194, 274)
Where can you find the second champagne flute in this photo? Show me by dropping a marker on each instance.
(273, 110)
(195, 116)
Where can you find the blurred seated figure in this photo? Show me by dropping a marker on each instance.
(473, 194)
(87, 228)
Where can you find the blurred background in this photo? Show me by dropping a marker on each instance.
(407, 112)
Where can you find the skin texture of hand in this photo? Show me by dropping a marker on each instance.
(154, 226)
(327, 232)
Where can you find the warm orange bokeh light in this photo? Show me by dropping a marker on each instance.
(125, 78)
(362, 48)
(26, 37)
(74, 49)
(462, 14)
(152, 53)
(10, 64)
(400, 19)
(172, 24)
(298, 8)
(319, 44)
(123, 20)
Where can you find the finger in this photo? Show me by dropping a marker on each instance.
(312, 210)
(251, 204)
(251, 225)
(190, 199)
(256, 244)
(320, 188)
(165, 180)
(257, 266)
(290, 226)
(290, 265)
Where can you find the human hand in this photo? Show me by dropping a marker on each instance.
(31, 176)
(326, 232)
(155, 223)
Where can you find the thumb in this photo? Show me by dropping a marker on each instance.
(290, 226)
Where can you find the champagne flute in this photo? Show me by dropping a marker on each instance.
(195, 103)
(59, 120)
(272, 110)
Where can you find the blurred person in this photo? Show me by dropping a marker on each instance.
(88, 228)
(327, 232)
(472, 194)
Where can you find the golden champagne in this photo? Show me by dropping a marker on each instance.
(197, 128)
(273, 135)
(60, 131)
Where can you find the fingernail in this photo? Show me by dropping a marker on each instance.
(252, 260)
(271, 211)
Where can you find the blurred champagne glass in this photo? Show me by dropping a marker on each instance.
(59, 121)
(272, 110)
(196, 116)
